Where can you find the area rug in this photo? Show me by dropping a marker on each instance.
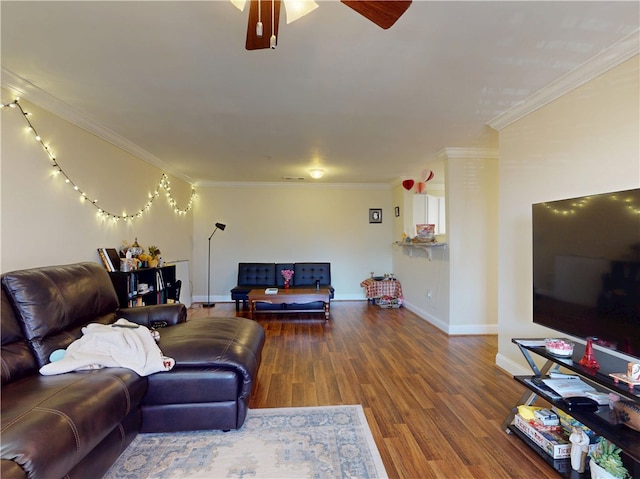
(280, 443)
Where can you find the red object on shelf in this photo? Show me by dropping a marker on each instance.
(589, 360)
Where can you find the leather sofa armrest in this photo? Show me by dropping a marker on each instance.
(155, 316)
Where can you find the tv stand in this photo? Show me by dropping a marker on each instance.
(600, 421)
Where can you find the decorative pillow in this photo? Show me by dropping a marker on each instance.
(628, 413)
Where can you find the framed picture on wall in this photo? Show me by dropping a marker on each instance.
(375, 215)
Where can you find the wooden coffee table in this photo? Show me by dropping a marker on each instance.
(290, 296)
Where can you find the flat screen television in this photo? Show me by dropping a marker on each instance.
(586, 268)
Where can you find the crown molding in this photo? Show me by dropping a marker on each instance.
(24, 89)
(293, 185)
(609, 58)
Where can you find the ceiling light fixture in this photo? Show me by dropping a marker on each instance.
(239, 4)
(272, 40)
(316, 173)
(295, 8)
(382, 13)
(298, 8)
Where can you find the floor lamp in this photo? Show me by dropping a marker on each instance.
(209, 304)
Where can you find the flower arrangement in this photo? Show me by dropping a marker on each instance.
(137, 254)
(287, 274)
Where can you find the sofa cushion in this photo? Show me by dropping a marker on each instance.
(53, 303)
(16, 361)
(254, 274)
(241, 292)
(306, 274)
(193, 385)
(50, 423)
(217, 360)
(234, 344)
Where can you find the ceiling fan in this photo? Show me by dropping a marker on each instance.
(264, 15)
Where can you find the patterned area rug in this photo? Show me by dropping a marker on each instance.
(282, 443)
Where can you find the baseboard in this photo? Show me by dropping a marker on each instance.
(455, 330)
(510, 366)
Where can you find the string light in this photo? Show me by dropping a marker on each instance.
(628, 204)
(583, 202)
(569, 211)
(164, 182)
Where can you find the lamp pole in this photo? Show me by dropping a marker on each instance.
(209, 304)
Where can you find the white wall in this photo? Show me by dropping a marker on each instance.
(585, 142)
(43, 221)
(472, 218)
(418, 274)
(455, 288)
(291, 223)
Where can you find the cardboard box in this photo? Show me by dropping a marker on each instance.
(546, 417)
(554, 444)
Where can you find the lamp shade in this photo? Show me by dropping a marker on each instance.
(298, 8)
(239, 4)
(316, 173)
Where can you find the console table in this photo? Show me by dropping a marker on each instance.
(599, 421)
(385, 287)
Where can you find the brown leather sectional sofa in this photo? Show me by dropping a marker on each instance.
(75, 425)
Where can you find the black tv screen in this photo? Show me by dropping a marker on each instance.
(586, 268)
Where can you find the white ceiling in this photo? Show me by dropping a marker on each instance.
(367, 105)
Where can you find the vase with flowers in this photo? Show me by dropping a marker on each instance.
(154, 252)
(606, 463)
(287, 274)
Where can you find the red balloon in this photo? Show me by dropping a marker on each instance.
(408, 184)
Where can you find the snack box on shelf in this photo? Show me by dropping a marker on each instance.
(553, 442)
(546, 417)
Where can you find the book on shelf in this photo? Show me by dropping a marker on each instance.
(271, 291)
(569, 386)
(538, 386)
(105, 259)
(160, 280)
(110, 258)
(114, 258)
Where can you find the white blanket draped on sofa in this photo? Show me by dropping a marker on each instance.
(112, 346)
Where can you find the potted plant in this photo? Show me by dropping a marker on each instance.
(606, 462)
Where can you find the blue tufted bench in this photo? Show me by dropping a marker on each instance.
(267, 275)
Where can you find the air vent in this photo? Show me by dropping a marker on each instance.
(293, 178)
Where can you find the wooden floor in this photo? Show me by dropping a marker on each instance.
(434, 403)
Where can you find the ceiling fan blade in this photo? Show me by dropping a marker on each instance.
(254, 42)
(382, 13)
